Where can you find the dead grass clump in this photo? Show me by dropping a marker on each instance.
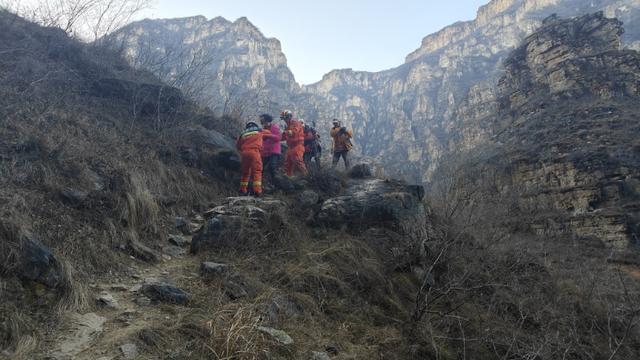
(340, 275)
(17, 331)
(233, 334)
(142, 210)
(75, 292)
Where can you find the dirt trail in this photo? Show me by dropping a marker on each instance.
(110, 328)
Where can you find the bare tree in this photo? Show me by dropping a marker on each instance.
(85, 19)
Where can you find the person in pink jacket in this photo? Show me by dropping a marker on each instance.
(271, 151)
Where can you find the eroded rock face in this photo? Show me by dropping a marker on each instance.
(568, 125)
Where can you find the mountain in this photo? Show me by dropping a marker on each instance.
(408, 117)
(229, 66)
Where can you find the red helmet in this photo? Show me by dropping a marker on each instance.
(286, 115)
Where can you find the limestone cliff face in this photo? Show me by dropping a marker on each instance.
(230, 66)
(408, 117)
(567, 126)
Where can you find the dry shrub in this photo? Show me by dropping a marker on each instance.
(142, 211)
(75, 292)
(233, 334)
(17, 330)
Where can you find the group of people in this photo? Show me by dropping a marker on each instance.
(260, 147)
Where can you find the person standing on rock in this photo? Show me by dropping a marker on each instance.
(271, 149)
(341, 143)
(249, 145)
(312, 149)
(293, 134)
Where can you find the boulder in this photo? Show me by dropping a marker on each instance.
(277, 335)
(105, 299)
(174, 251)
(142, 252)
(235, 221)
(164, 292)
(234, 290)
(38, 264)
(212, 268)
(377, 203)
(179, 240)
(207, 150)
(237, 286)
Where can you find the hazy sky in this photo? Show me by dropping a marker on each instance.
(322, 35)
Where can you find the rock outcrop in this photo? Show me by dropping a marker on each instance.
(567, 129)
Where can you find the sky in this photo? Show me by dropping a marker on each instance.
(322, 35)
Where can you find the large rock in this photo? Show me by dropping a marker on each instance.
(212, 269)
(237, 220)
(142, 251)
(164, 292)
(207, 150)
(377, 203)
(38, 264)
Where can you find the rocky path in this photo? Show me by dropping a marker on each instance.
(124, 309)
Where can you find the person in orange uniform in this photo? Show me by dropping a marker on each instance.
(293, 134)
(341, 144)
(249, 145)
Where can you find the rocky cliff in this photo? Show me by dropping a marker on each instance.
(430, 105)
(229, 66)
(567, 129)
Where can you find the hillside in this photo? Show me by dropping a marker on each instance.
(120, 239)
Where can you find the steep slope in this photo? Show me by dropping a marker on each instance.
(92, 158)
(229, 66)
(407, 116)
(568, 129)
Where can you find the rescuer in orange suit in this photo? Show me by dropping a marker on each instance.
(293, 134)
(249, 145)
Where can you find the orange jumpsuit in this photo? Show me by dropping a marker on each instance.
(249, 145)
(293, 134)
